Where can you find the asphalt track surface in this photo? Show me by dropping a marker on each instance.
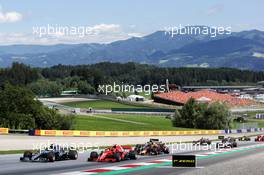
(247, 161)
(25, 142)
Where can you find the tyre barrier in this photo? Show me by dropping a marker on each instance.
(130, 133)
(135, 133)
(117, 133)
(235, 131)
(4, 130)
(18, 131)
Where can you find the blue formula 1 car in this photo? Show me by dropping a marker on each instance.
(51, 154)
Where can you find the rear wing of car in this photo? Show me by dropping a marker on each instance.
(127, 147)
(154, 140)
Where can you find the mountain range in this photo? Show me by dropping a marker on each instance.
(242, 50)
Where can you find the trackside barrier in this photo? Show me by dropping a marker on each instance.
(118, 133)
(142, 110)
(241, 130)
(18, 131)
(135, 133)
(4, 130)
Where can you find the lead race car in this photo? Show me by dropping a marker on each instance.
(51, 154)
(153, 147)
(115, 153)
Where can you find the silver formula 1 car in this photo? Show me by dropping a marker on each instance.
(51, 154)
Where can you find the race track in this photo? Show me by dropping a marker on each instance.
(25, 142)
(209, 161)
(242, 163)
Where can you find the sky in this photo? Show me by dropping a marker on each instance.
(111, 20)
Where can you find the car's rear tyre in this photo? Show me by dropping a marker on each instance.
(117, 157)
(132, 155)
(51, 157)
(93, 155)
(73, 154)
(166, 151)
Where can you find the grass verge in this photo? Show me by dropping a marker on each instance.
(12, 152)
(108, 123)
(101, 104)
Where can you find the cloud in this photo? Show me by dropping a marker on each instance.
(135, 34)
(215, 9)
(100, 33)
(66, 30)
(106, 28)
(23, 38)
(10, 17)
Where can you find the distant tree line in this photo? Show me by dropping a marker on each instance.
(86, 78)
(20, 83)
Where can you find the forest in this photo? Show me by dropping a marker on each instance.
(86, 78)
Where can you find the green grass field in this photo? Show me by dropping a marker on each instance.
(127, 123)
(251, 119)
(259, 121)
(13, 152)
(100, 104)
(250, 122)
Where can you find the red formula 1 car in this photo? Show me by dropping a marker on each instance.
(260, 138)
(114, 154)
